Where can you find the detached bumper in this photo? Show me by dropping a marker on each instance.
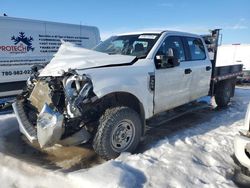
(48, 129)
(25, 126)
(241, 145)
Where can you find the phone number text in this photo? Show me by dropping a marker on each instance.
(16, 72)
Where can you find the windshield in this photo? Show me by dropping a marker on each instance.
(134, 45)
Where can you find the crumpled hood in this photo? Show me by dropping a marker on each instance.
(70, 56)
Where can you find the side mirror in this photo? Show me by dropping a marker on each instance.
(168, 60)
(170, 52)
(172, 60)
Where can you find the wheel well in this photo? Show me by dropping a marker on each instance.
(123, 99)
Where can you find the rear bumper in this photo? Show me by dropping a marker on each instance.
(240, 144)
(25, 126)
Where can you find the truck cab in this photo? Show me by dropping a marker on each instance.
(182, 70)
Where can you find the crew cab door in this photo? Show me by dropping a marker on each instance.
(200, 65)
(172, 83)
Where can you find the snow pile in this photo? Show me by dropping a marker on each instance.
(196, 157)
(110, 174)
(15, 173)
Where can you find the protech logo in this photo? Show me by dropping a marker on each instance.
(22, 44)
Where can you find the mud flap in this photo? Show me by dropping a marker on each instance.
(49, 126)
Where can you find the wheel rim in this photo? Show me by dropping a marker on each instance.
(123, 135)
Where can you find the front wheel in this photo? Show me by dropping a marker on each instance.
(119, 131)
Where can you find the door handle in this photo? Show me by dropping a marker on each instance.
(208, 68)
(188, 71)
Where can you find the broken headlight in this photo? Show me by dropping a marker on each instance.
(77, 90)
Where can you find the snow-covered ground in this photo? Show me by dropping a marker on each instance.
(191, 151)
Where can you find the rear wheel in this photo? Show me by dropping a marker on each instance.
(223, 93)
(119, 131)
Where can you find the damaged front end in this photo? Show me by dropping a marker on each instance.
(57, 110)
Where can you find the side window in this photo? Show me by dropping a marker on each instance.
(196, 47)
(175, 43)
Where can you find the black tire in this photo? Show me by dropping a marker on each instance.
(223, 93)
(109, 140)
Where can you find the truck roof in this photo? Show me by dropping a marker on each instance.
(157, 32)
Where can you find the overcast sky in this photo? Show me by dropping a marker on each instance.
(114, 16)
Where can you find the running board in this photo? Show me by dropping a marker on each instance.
(167, 116)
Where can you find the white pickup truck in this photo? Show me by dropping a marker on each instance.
(107, 95)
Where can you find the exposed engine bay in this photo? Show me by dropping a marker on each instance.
(61, 109)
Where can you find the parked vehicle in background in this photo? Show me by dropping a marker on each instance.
(108, 94)
(242, 146)
(25, 42)
(235, 54)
